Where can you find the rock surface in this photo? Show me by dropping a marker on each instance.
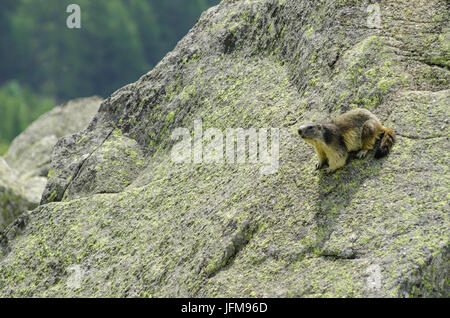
(24, 168)
(120, 218)
(13, 200)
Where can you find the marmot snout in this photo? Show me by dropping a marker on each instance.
(310, 130)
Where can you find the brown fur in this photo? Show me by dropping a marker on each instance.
(356, 130)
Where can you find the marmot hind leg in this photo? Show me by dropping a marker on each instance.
(370, 132)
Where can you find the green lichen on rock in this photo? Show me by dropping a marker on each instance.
(25, 167)
(134, 223)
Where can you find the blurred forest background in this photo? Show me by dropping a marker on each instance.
(43, 63)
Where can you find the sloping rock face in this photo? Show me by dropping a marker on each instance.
(13, 200)
(24, 168)
(120, 217)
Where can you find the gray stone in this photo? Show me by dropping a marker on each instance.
(137, 224)
(24, 168)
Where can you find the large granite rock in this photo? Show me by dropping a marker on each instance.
(120, 218)
(24, 168)
(13, 198)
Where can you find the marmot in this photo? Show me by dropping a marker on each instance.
(357, 129)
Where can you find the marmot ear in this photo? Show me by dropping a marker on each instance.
(320, 127)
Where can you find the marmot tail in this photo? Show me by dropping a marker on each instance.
(387, 141)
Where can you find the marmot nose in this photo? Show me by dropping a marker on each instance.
(300, 132)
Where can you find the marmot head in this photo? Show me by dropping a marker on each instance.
(311, 131)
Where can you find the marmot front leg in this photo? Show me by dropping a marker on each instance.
(322, 159)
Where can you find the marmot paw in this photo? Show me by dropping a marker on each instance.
(362, 154)
(319, 165)
(329, 170)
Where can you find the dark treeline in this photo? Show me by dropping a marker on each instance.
(119, 40)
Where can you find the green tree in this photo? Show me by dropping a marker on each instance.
(7, 52)
(19, 107)
(102, 56)
(119, 41)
